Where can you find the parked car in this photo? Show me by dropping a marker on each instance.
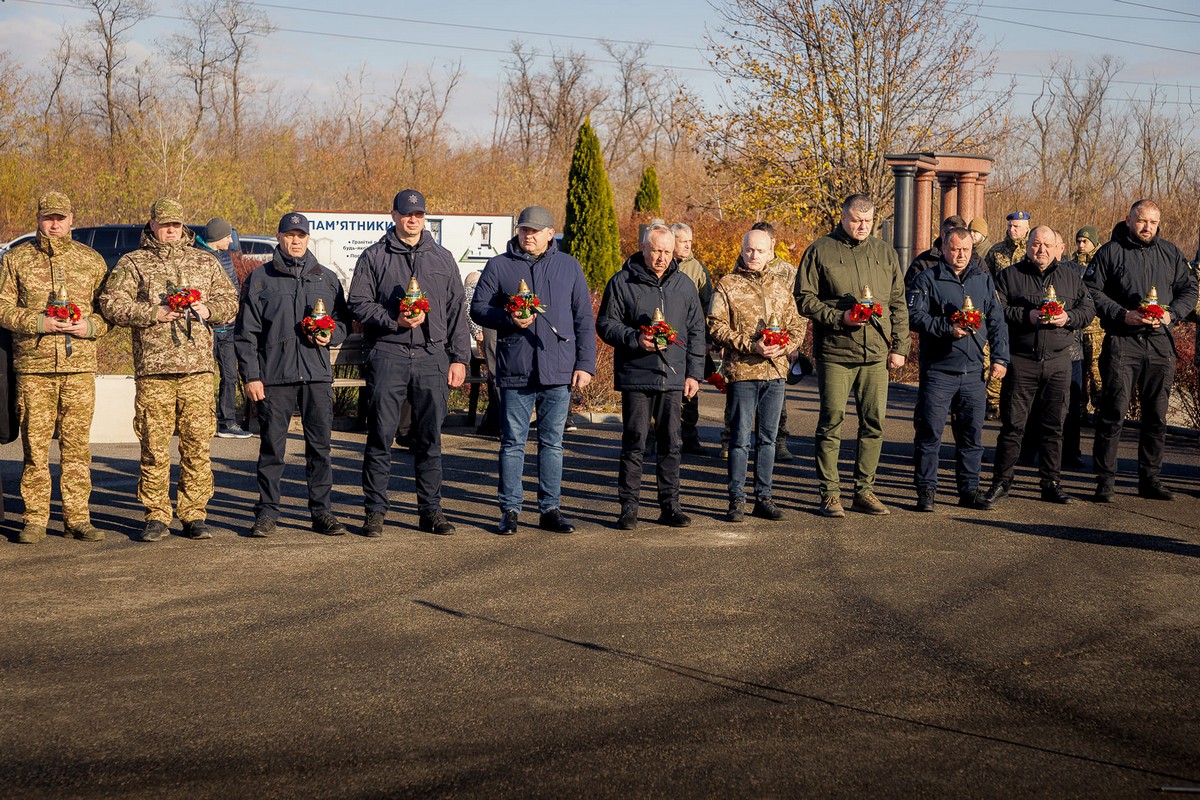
(28, 237)
(114, 241)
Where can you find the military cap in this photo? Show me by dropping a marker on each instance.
(535, 217)
(293, 222)
(166, 209)
(1088, 232)
(409, 201)
(979, 225)
(1018, 215)
(54, 203)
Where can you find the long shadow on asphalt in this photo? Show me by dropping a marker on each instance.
(1141, 541)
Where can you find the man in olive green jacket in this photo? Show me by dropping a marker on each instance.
(853, 356)
(55, 362)
(173, 362)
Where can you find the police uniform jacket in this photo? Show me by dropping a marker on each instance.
(562, 338)
(1122, 272)
(628, 304)
(380, 281)
(271, 345)
(1022, 288)
(935, 296)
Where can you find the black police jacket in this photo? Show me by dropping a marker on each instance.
(1022, 288)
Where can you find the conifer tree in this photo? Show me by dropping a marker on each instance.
(590, 231)
(648, 199)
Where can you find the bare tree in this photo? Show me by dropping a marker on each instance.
(241, 24)
(198, 54)
(418, 108)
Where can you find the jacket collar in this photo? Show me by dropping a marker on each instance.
(636, 264)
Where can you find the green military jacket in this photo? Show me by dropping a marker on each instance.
(138, 288)
(743, 302)
(695, 270)
(830, 280)
(1004, 254)
(28, 276)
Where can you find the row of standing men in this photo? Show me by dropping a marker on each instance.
(417, 353)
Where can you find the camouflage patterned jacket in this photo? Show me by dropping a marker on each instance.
(138, 288)
(743, 301)
(28, 275)
(1004, 254)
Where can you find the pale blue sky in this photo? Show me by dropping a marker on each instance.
(313, 47)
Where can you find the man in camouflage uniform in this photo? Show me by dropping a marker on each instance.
(692, 267)
(55, 361)
(746, 302)
(1002, 256)
(1087, 239)
(173, 362)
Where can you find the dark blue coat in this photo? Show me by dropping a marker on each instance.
(934, 297)
(562, 338)
(629, 302)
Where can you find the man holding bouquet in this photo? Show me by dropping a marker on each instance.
(293, 310)
(953, 307)
(171, 294)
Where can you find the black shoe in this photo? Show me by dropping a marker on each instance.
(977, 500)
(233, 431)
(998, 492)
(628, 519)
(507, 525)
(555, 522)
(1052, 493)
(327, 524)
(737, 510)
(765, 508)
(196, 529)
(993, 413)
(154, 531)
(783, 455)
(694, 448)
(1105, 493)
(263, 527)
(925, 496)
(1155, 491)
(373, 526)
(434, 521)
(674, 517)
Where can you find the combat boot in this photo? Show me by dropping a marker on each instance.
(31, 534)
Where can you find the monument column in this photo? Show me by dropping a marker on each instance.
(904, 174)
(967, 200)
(924, 208)
(949, 186)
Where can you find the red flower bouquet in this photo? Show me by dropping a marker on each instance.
(62, 309)
(773, 335)
(180, 298)
(524, 303)
(318, 324)
(1150, 309)
(1050, 307)
(866, 308)
(660, 332)
(969, 317)
(414, 303)
(718, 380)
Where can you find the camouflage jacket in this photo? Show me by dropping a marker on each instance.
(743, 301)
(783, 270)
(1004, 254)
(28, 275)
(138, 288)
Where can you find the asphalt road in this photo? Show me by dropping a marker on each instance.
(1031, 651)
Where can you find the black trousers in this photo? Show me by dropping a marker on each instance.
(226, 358)
(1027, 379)
(274, 416)
(419, 377)
(641, 414)
(1147, 362)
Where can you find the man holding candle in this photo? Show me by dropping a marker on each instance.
(652, 373)
(415, 355)
(854, 352)
(953, 307)
(1045, 302)
(293, 310)
(541, 355)
(1138, 350)
(55, 361)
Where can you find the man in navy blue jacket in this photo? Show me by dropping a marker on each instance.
(540, 358)
(652, 381)
(285, 366)
(952, 362)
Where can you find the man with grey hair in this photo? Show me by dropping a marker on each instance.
(690, 266)
(653, 372)
(857, 339)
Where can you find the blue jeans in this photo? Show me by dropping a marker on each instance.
(517, 405)
(754, 406)
(939, 394)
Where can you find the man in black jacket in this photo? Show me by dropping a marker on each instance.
(285, 365)
(411, 357)
(1040, 366)
(1138, 349)
(652, 380)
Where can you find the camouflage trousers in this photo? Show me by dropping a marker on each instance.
(993, 384)
(44, 401)
(164, 404)
(1093, 340)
